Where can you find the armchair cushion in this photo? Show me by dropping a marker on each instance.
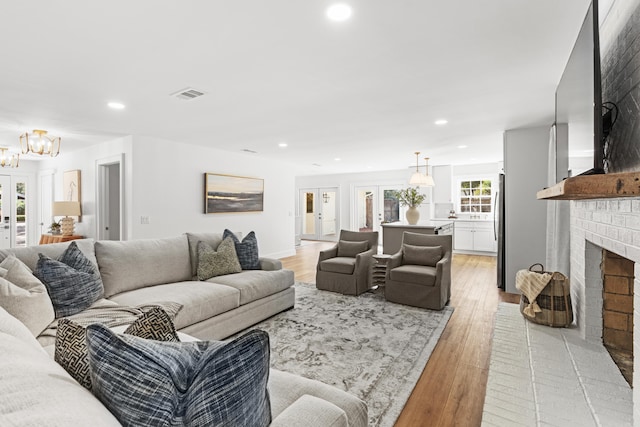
(418, 274)
(421, 255)
(341, 265)
(351, 249)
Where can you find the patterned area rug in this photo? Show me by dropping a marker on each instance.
(365, 345)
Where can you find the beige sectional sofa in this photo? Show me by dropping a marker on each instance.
(37, 391)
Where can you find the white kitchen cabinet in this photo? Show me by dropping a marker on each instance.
(474, 236)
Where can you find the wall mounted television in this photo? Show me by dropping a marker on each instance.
(579, 101)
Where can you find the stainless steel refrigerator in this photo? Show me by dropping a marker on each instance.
(498, 230)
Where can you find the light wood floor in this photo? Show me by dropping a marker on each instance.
(451, 390)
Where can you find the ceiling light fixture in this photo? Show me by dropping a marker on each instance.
(8, 159)
(429, 182)
(441, 122)
(339, 12)
(38, 142)
(115, 105)
(462, 146)
(283, 145)
(421, 180)
(337, 159)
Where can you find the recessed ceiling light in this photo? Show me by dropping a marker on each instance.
(441, 122)
(337, 159)
(462, 146)
(116, 105)
(339, 12)
(282, 145)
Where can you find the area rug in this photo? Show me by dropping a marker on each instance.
(372, 348)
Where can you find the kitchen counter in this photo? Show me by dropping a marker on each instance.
(392, 232)
(464, 219)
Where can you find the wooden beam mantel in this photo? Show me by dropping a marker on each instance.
(607, 186)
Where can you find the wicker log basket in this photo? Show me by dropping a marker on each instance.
(554, 301)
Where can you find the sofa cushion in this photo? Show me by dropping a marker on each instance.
(71, 346)
(340, 265)
(212, 239)
(36, 391)
(421, 255)
(200, 300)
(24, 296)
(419, 274)
(145, 382)
(347, 248)
(134, 264)
(29, 254)
(73, 283)
(256, 284)
(311, 411)
(212, 262)
(247, 250)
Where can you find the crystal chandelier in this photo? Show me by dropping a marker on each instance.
(38, 142)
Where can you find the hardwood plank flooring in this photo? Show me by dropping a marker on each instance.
(451, 389)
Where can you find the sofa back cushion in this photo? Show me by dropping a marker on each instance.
(29, 255)
(211, 239)
(135, 264)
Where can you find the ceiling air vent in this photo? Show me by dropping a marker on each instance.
(188, 94)
(246, 150)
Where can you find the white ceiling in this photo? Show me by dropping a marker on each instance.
(367, 91)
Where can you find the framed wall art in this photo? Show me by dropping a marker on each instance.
(228, 193)
(71, 187)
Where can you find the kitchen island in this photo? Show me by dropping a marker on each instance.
(392, 232)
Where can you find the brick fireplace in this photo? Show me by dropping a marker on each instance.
(606, 233)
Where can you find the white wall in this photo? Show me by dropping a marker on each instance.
(168, 187)
(525, 167)
(85, 161)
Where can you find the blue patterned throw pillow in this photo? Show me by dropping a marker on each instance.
(73, 282)
(151, 383)
(247, 250)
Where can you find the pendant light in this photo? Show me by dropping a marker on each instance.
(428, 179)
(417, 179)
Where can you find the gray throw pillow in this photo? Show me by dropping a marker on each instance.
(247, 250)
(71, 341)
(24, 296)
(151, 383)
(212, 263)
(73, 282)
(421, 255)
(351, 249)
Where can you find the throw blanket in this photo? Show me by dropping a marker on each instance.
(531, 283)
(109, 314)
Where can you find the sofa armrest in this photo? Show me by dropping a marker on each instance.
(270, 264)
(326, 254)
(311, 411)
(394, 261)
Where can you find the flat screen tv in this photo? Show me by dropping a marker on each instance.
(579, 101)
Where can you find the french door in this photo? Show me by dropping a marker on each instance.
(319, 212)
(13, 212)
(373, 205)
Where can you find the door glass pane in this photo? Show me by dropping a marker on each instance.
(329, 213)
(364, 205)
(391, 206)
(21, 214)
(308, 214)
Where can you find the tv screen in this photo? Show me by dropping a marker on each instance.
(579, 101)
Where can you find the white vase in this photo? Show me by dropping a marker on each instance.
(413, 215)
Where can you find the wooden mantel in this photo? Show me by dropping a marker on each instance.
(607, 186)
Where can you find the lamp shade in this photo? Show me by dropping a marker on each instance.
(417, 179)
(66, 209)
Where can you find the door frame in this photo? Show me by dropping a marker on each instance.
(102, 191)
(378, 190)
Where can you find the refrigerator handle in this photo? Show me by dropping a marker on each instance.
(495, 216)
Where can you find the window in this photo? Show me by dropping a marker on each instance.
(475, 196)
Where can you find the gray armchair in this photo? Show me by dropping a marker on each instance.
(420, 273)
(346, 268)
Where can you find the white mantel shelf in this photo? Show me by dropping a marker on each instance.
(607, 186)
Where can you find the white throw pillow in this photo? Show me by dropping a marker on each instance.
(24, 296)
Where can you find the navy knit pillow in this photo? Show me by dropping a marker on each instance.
(144, 382)
(247, 250)
(73, 282)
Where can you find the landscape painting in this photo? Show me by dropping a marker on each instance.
(227, 193)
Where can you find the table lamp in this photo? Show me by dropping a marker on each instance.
(66, 209)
